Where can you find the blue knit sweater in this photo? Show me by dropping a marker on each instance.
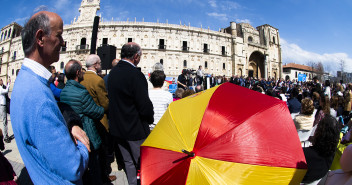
(42, 137)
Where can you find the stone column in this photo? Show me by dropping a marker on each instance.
(266, 66)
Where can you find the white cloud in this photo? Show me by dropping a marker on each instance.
(230, 5)
(21, 20)
(222, 17)
(243, 21)
(122, 16)
(213, 3)
(292, 53)
(41, 8)
(59, 5)
(68, 14)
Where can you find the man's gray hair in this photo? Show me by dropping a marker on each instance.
(92, 59)
(40, 21)
(129, 50)
(158, 67)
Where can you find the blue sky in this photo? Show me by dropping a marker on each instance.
(310, 30)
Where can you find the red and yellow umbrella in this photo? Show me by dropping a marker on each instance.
(225, 135)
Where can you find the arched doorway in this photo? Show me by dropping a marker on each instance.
(256, 65)
(274, 75)
(252, 69)
(287, 77)
(239, 73)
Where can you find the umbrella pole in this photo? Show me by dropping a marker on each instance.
(190, 154)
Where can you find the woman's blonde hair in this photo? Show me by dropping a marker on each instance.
(307, 106)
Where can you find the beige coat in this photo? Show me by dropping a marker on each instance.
(304, 122)
(96, 88)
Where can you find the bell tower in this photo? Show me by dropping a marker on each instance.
(88, 10)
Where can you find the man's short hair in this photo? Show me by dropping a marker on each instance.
(71, 72)
(199, 88)
(40, 21)
(158, 67)
(91, 60)
(157, 78)
(129, 50)
(179, 92)
(294, 92)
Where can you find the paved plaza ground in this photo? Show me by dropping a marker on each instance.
(12, 154)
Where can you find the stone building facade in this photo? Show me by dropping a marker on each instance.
(239, 49)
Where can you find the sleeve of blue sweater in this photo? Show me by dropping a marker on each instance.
(56, 91)
(61, 153)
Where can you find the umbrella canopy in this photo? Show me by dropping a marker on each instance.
(224, 135)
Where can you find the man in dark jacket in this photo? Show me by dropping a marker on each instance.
(130, 109)
(77, 96)
(293, 104)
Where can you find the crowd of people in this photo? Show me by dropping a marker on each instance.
(69, 131)
(320, 112)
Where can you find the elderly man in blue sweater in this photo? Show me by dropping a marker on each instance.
(42, 136)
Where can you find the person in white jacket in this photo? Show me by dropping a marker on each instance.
(3, 112)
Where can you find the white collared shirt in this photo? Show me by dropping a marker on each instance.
(92, 71)
(37, 68)
(129, 62)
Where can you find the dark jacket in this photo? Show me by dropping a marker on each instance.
(294, 105)
(318, 165)
(77, 96)
(70, 116)
(131, 110)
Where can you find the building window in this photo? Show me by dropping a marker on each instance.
(13, 71)
(185, 63)
(62, 65)
(184, 46)
(296, 74)
(2, 35)
(63, 48)
(162, 44)
(13, 33)
(223, 50)
(5, 35)
(18, 70)
(9, 35)
(250, 39)
(0, 60)
(105, 41)
(162, 61)
(14, 55)
(223, 66)
(205, 48)
(274, 40)
(83, 43)
(129, 40)
(205, 64)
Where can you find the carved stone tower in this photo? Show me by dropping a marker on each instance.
(88, 10)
